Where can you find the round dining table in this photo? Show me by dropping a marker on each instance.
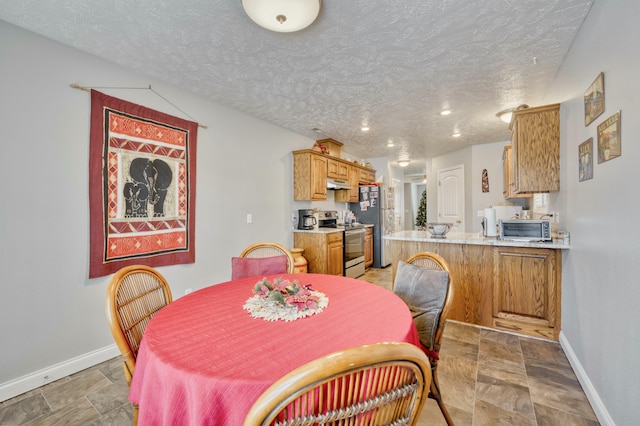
(204, 360)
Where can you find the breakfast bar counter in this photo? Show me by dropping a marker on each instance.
(471, 238)
(507, 285)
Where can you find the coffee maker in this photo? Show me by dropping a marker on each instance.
(306, 220)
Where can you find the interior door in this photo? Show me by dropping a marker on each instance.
(451, 197)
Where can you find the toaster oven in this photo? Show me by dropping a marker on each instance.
(525, 230)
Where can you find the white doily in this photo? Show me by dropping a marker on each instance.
(260, 307)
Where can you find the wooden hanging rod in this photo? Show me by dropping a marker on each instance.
(88, 89)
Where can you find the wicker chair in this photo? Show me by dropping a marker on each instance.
(269, 250)
(135, 294)
(428, 260)
(372, 384)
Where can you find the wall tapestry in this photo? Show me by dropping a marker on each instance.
(142, 183)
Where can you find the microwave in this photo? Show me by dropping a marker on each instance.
(525, 230)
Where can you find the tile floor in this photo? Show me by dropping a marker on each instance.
(486, 377)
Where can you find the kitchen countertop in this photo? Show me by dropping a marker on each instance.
(471, 238)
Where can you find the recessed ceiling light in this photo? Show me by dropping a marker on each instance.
(365, 128)
(456, 135)
(445, 112)
(389, 143)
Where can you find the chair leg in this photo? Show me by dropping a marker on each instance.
(135, 414)
(434, 393)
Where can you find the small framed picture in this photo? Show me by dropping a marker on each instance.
(594, 100)
(609, 138)
(585, 160)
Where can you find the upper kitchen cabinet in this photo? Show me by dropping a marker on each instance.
(507, 187)
(309, 175)
(337, 169)
(311, 168)
(535, 141)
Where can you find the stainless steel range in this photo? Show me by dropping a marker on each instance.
(353, 242)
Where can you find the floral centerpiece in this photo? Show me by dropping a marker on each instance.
(286, 300)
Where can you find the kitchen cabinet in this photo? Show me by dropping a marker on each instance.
(337, 169)
(309, 176)
(368, 246)
(312, 168)
(350, 195)
(526, 291)
(367, 176)
(515, 289)
(324, 251)
(535, 141)
(507, 185)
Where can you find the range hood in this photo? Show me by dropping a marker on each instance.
(337, 184)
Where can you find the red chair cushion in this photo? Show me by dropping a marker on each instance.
(242, 267)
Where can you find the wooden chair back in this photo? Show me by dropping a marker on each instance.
(429, 260)
(374, 384)
(267, 249)
(135, 294)
(433, 261)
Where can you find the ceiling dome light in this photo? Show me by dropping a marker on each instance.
(505, 115)
(446, 112)
(456, 135)
(365, 128)
(283, 16)
(403, 163)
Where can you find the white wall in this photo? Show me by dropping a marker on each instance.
(600, 291)
(49, 310)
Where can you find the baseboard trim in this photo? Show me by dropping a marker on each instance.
(39, 378)
(594, 399)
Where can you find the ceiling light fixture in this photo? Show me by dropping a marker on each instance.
(283, 16)
(403, 163)
(446, 112)
(365, 128)
(456, 135)
(389, 143)
(505, 115)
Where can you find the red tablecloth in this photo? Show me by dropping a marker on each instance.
(205, 361)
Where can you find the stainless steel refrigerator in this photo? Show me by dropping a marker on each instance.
(376, 206)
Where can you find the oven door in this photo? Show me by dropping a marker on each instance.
(354, 253)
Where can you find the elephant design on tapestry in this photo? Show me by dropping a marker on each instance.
(147, 188)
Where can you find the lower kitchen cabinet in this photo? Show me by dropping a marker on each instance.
(324, 251)
(526, 291)
(507, 288)
(368, 246)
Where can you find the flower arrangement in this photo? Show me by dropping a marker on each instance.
(282, 299)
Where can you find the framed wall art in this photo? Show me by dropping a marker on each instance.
(585, 160)
(609, 138)
(594, 100)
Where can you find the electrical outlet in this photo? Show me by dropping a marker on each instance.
(480, 213)
(556, 217)
(249, 218)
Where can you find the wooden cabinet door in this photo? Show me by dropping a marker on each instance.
(335, 257)
(507, 177)
(309, 176)
(354, 179)
(535, 137)
(368, 247)
(318, 178)
(526, 291)
(337, 169)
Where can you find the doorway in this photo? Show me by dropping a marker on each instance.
(451, 197)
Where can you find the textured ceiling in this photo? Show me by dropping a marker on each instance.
(390, 64)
